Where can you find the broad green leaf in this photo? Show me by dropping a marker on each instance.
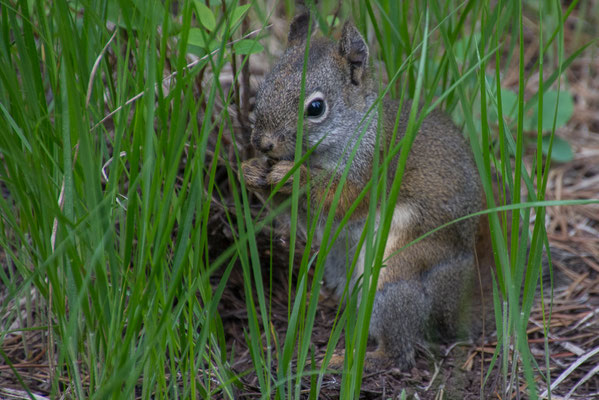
(205, 15)
(196, 37)
(565, 110)
(330, 20)
(509, 102)
(561, 150)
(238, 13)
(248, 46)
(197, 45)
(466, 46)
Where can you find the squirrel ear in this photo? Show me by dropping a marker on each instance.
(354, 49)
(298, 30)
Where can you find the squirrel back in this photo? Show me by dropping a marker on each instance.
(424, 287)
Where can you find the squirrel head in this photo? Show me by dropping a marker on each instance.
(339, 90)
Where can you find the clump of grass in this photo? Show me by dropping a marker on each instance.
(107, 221)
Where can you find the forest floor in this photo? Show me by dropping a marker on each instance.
(454, 370)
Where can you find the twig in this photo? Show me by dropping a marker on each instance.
(95, 68)
(565, 344)
(571, 369)
(19, 394)
(585, 378)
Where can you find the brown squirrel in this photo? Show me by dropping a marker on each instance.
(423, 288)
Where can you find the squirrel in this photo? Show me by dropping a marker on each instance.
(424, 287)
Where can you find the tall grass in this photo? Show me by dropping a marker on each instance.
(105, 226)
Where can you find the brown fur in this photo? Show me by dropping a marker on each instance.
(424, 288)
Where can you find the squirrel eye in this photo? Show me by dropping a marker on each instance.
(315, 108)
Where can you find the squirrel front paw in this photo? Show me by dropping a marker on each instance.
(254, 172)
(277, 175)
(260, 175)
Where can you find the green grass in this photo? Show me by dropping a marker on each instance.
(108, 222)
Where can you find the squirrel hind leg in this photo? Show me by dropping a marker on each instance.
(449, 286)
(400, 312)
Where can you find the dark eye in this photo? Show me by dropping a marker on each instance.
(315, 108)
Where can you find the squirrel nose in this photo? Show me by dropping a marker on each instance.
(266, 145)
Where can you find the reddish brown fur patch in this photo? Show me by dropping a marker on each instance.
(349, 194)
